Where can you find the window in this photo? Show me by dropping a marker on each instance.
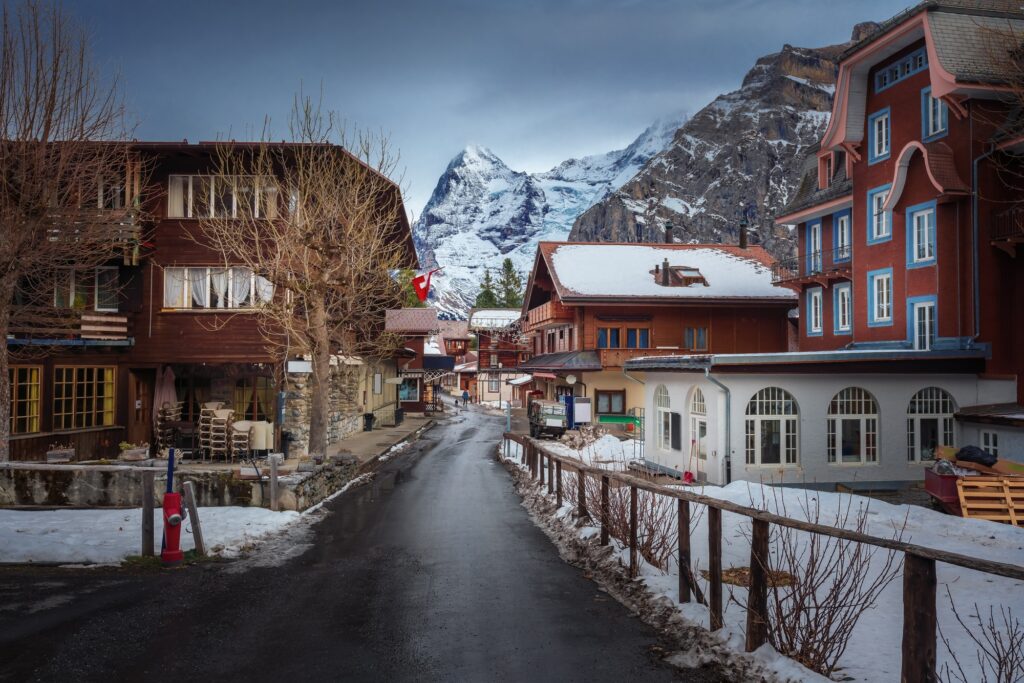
(852, 427)
(83, 397)
(611, 402)
(255, 399)
(201, 288)
(990, 442)
(84, 290)
(493, 385)
(25, 399)
(698, 425)
(814, 311)
(842, 309)
(880, 223)
(841, 237)
(638, 338)
(696, 338)
(880, 291)
(922, 322)
(494, 360)
(771, 428)
(409, 389)
(195, 196)
(608, 338)
(908, 66)
(929, 423)
(662, 406)
(878, 136)
(934, 116)
(814, 248)
(921, 235)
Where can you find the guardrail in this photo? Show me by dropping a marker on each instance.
(919, 580)
(810, 264)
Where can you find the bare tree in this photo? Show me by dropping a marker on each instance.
(324, 228)
(999, 646)
(68, 185)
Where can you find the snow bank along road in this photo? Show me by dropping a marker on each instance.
(432, 572)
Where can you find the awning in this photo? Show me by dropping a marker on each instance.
(520, 381)
(545, 375)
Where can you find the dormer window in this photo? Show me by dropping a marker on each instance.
(906, 67)
(677, 276)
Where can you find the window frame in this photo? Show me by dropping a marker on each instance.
(60, 416)
(946, 424)
(260, 194)
(789, 428)
(928, 211)
(875, 276)
(254, 297)
(837, 309)
(929, 131)
(74, 283)
(843, 249)
(989, 441)
(906, 67)
(874, 236)
(815, 312)
(914, 304)
(32, 419)
(695, 338)
(814, 259)
(611, 393)
(876, 153)
(663, 425)
(868, 425)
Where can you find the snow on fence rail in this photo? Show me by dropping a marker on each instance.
(919, 641)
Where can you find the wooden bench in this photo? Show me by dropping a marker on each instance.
(997, 499)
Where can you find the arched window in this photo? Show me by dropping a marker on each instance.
(771, 428)
(698, 425)
(852, 436)
(929, 423)
(662, 406)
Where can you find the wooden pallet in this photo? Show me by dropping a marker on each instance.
(998, 499)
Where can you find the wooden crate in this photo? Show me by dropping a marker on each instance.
(997, 499)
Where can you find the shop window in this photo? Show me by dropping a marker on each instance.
(83, 397)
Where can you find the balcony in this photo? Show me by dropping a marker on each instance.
(820, 267)
(551, 314)
(57, 327)
(1006, 230)
(616, 358)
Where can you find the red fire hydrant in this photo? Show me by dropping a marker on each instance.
(171, 553)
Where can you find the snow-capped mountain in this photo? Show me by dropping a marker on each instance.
(482, 211)
(739, 156)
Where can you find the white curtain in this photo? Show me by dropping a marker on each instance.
(197, 278)
(174, 287)
(264, 289)
(241, 285)
(219, 293)
(176, 196)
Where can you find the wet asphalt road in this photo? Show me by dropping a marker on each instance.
(433, 572)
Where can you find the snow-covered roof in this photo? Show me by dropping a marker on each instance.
(491, 318)
(626, 271)
(410, 320)
(519, 381)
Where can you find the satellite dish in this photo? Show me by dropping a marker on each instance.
(570, 379)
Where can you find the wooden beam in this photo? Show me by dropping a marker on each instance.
(919, 620)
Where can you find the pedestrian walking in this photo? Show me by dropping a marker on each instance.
(465, 397)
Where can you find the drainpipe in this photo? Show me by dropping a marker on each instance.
(974, 230)
(728, 423)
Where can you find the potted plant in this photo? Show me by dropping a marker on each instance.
(131, 451)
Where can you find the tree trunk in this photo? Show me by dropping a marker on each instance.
(5, 388)
(320, 397)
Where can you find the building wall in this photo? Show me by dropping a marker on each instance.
(1010, 439)
(813, 394)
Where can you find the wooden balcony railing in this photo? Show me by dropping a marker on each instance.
(817, 266)
(551, 313)
(40, 324)
(1006, 230)
(616, 358)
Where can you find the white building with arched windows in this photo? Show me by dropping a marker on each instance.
(867, 419)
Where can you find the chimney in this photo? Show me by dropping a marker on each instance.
(668, 233)
(743, 233)
(664, 273)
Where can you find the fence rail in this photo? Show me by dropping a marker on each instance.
(811, 264)
(919, 581)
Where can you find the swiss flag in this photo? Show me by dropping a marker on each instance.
(421, 283)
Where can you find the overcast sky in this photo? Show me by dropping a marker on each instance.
(536, 81)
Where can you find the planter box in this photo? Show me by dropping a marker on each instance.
(135, 454)
(61, 455)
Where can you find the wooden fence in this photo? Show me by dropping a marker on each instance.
(919, 581)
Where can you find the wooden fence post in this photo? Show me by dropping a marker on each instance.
(551, 475)
(918, 619)
(634, 561)
(147, 513)
(581, 493)
(684, 550)
(273, 484)
(540, 467)
(605, 512)
(558, 487)
(715, 566)
(757, 598)
(193, 515)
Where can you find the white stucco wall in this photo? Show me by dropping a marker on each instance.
(1010, 439)
(812, 393)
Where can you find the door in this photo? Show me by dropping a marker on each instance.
(699, 435)
(141, 385)
(924, 326)
(814, 249)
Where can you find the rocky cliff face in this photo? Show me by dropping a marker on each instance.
(481, 211)
(739, 156)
